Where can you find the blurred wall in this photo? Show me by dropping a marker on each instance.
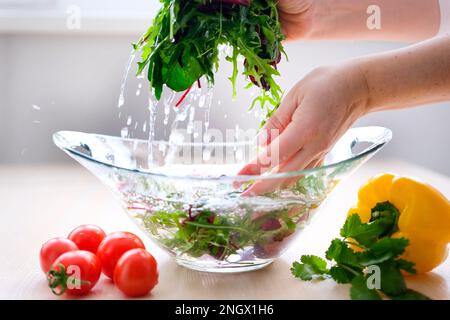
(74, 81)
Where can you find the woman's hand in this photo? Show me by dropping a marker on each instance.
(400, 20)
(295, 17)
(311, 118)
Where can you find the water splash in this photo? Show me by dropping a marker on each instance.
(121, 101)
(124, 132)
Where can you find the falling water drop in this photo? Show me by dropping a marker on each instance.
(206, 155)
(121, 101)
(124, 132)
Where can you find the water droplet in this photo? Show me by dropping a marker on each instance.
(206, 155)
(36, 107)
(129, 120)
(36, 121)
(201, 102)
(124, 132)
(110, 157)
(176, 137)
(121, 100)
(124, 79)
(162, 148)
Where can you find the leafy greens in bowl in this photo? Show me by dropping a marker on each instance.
(192, 206)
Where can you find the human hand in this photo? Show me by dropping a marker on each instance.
(403, 20)
(296, 18)
(311, 118)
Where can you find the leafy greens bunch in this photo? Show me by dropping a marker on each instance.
(363, 247)
(182, 45)
(200, 231)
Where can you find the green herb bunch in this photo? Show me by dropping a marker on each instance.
(182, 45)
(363, 249)
(201, 231)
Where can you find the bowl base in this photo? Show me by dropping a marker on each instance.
(223, 268)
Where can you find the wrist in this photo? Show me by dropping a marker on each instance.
(337, 19)
(355, 83)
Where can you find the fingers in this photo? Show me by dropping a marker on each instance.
(280, 119)
(279, 150)
(304, 159)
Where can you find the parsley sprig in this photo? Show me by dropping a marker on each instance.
(362, 247)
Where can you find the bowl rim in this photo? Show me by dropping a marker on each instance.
(379, 142)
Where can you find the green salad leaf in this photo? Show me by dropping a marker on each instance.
(182, 45)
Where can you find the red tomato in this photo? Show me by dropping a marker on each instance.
(113, 247)
(74, 272)
(52, 249)
(136, 273)
(87, 237)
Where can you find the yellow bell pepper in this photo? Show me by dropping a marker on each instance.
(424, 216)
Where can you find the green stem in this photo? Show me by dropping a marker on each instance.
(211, 226)
(351, 270)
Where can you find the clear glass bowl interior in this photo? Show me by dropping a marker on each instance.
(188, 199)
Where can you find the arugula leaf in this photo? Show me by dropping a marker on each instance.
(198, 231)
(182, 44)
(312, 267)
(360, 290)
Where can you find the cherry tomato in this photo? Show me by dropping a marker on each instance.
(74, 272)
(136, 273)
(113, 247)
(87, 237)
(52, 249)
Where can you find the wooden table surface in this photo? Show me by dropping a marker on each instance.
(41, 202)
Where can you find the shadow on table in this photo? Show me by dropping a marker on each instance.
(431, 284)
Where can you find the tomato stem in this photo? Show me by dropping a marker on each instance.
(58, 280)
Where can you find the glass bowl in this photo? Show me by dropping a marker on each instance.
(188, 199)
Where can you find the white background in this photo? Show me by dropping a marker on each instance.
(75, 76)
